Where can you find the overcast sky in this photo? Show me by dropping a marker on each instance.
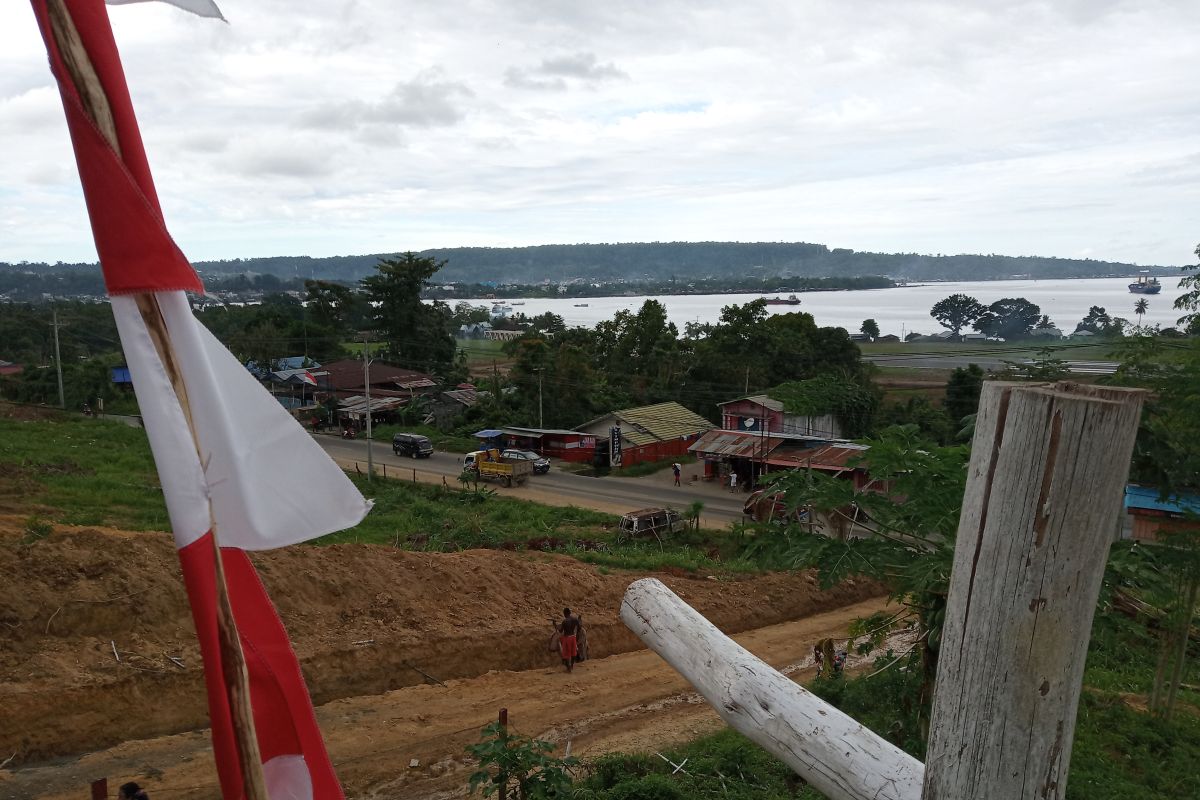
(1067, 127)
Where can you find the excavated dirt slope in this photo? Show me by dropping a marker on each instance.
(362, 617)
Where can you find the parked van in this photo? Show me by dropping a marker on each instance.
(413, 445)
(650, 522)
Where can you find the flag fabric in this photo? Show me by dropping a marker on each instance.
(201, 8)
(230, 459)
(308, 377)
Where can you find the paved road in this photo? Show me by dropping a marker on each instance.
(605, 494)
(921, 361)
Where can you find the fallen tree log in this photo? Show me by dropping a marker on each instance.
(835, 754)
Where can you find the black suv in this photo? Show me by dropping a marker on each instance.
(413, 445)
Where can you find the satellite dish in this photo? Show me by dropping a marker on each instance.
(748, 422)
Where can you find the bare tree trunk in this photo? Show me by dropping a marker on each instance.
(837, 755)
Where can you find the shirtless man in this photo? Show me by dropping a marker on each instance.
(568, 643)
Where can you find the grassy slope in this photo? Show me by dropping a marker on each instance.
(90, 472)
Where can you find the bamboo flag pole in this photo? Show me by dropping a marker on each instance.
(233, 664)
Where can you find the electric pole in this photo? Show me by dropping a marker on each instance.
(62, 400)
(541, 423)
(367, 394)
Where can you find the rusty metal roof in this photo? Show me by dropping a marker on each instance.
(735, 444)
(829, 457)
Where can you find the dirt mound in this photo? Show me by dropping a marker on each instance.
(364, 619)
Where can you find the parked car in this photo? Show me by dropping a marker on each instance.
(541, 464)
(650, 522)
(413, 445)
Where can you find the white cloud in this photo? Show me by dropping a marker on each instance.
(940, 126)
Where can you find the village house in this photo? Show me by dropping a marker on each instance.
(1153, 517)
(553, 442)
(647, 433)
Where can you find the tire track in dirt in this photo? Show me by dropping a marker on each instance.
(628, 702)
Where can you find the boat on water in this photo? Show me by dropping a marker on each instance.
(1145, 285)
(581, 305)
(791, 300)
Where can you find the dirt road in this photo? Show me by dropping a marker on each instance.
(627, 702)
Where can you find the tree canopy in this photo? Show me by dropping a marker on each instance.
(957, 312)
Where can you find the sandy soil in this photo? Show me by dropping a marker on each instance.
(626, 702)
(365, 620)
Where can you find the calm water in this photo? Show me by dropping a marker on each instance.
(900, 310)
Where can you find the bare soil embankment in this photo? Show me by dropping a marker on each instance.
(67, 599)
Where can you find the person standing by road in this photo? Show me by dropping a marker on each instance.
(732, 480)
(677, 469)
(568, 643)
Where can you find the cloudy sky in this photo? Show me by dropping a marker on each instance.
(1063, 127)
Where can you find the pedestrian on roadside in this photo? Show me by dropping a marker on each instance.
(732, 481)
(676, 468)
(568, 642)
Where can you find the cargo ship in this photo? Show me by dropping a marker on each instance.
(1145, 285)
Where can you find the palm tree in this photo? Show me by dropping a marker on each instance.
(1140, 308)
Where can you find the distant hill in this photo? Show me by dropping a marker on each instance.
(647, 261)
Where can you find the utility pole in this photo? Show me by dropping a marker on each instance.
(367, 394)
(746, 390)
(541, 424)
(62, 400)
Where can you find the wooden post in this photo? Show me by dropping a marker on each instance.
(100, 789)
(1048, 469)
(503, 782)
(838, 756)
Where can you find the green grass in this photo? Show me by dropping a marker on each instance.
(83, 472)
(91, 472)
(1067, 350)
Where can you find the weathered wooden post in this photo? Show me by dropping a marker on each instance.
(1047, 472)
(1048, 469)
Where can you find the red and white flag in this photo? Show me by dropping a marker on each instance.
(229, 458)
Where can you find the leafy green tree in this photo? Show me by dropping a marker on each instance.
(957, 312)
(1009, 318)
(1189, 301)
(417, 334)
(962, 392)
(912, 502)
(1140, 308)
(333, 306)
(870, 328)
(1099, 322)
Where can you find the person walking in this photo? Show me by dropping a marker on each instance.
(568, 642)
(677, 469)
(732, 480)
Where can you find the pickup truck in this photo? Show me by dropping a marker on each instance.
(490, 465)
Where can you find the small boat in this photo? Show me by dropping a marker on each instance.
(581, 305)
(791, 300)
(1145, 285)
(518, 302)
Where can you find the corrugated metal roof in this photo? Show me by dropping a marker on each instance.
(735, 444)
(542, 432)
(760, 399)
(663, 422)
(1146, 498)
(833, 456)
(358, 404)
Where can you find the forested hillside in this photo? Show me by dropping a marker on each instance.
(681, 261)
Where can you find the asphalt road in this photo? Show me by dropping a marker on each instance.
(920, 361)
(604, 494)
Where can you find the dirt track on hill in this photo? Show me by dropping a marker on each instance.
(627, 702)
(361, 618)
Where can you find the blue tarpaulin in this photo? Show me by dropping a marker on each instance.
(489, 434)
(1147, 498)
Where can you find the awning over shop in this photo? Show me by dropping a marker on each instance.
(489, 433)
(734, 444)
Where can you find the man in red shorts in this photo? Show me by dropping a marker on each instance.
(568, 643)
